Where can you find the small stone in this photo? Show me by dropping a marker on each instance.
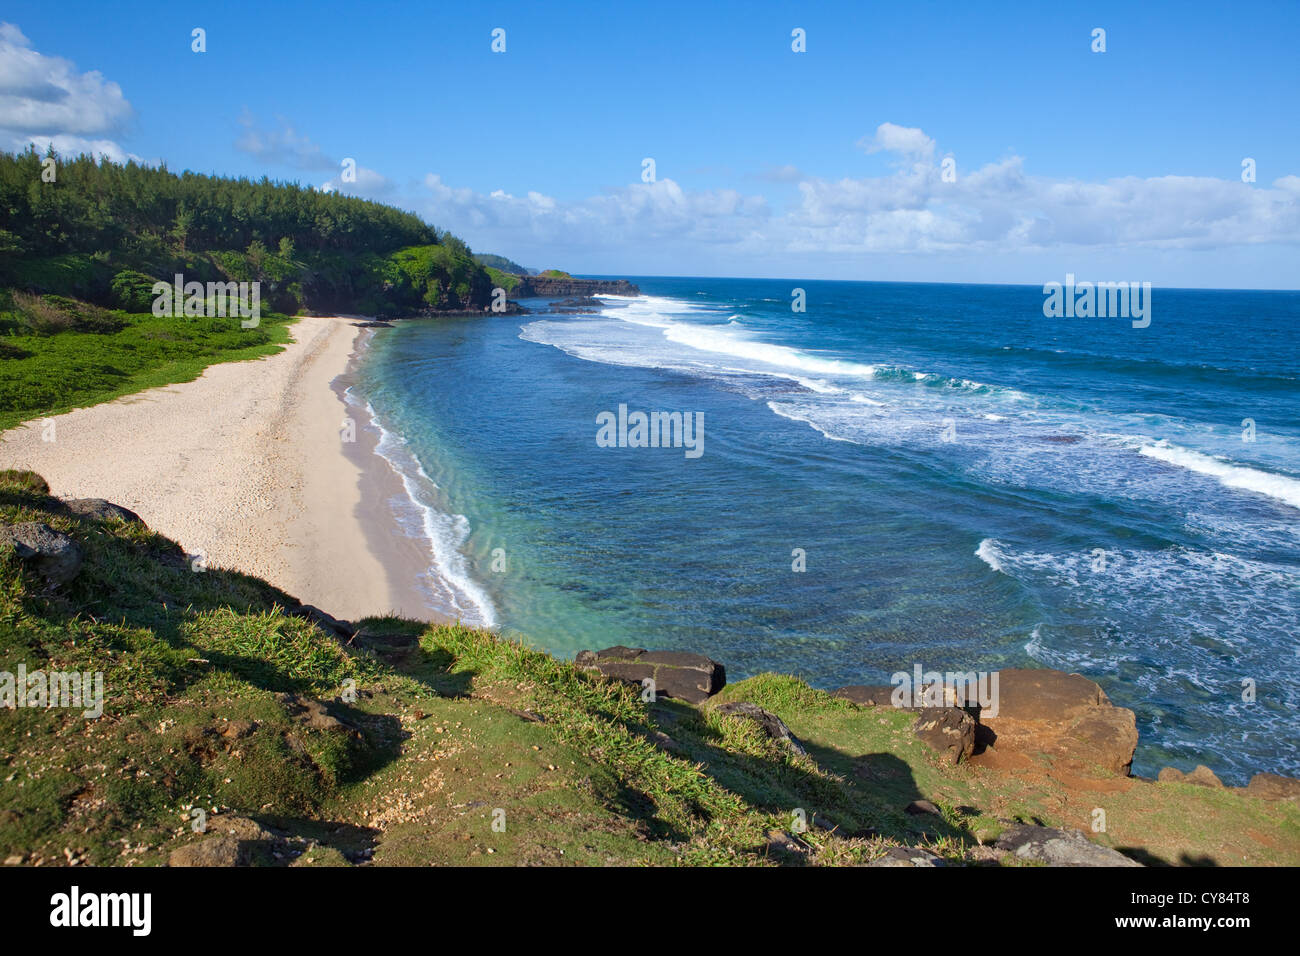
(908, 856)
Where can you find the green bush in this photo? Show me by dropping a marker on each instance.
(132, 291)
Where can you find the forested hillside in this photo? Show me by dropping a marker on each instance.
(102, 233)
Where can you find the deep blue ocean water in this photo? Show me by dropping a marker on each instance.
(972, 485)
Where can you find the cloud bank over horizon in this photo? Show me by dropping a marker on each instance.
(998, 209)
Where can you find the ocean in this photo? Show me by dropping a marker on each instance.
(898, 474)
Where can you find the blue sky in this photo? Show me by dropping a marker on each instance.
(825, 164)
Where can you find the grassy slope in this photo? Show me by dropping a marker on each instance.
(51, 374)
(464, 724)
(502, 280)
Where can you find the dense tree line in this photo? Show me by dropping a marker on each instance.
(97, 230)
(94, 205)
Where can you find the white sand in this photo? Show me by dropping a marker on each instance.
(245, 466)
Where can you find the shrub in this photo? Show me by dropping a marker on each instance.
(50, 314)
(132, 291)
(40, 315)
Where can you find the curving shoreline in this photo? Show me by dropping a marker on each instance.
(245, 467)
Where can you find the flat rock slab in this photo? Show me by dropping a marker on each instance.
(693, 678)
(1058, 847)
(1040, 694)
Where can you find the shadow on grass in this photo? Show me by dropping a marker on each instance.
(852, 796)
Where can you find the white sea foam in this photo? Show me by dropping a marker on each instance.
(988, 553)
(708, 339)
(1240, 477)
(445, 532)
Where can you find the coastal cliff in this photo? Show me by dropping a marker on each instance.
(551, 287)
(302, 740)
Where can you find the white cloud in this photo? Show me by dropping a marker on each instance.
(281, 145)
(994, 209)
(45, 100)
(907, 141)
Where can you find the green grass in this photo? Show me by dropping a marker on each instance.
(502, 280)
(465, 748)
(49, 374)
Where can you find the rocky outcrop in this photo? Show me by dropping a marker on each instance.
(546, 287)
(1058, 847)
(949, 730)
(1064, 716)
(1202, 776)
(51, 554)
(1270, 786)
(690, 677)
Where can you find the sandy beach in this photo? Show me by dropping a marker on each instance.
(246, 466)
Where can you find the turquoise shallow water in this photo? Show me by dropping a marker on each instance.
(972, 485)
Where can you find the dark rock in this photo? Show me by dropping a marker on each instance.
(328, 624)
(99, 508)
(547, 287)
(772, 725)
(908, 856)
(866, 695)
(1058, 847)
(690, 677)
(50, 553)
(918, 807)
(949, 730)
